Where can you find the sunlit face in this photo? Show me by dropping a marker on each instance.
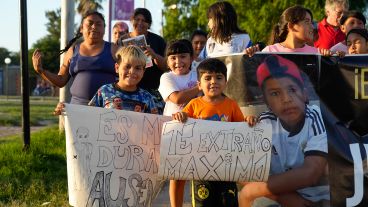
(140, 25)
(130, 73)
(334, 14)
(352, 23)
(357, 44)
(303, 30)
(179, 63)
(286, 100)
(198, 42)
(212, 85)
(93, 28)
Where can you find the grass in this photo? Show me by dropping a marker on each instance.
(41, 109)
(37, 176)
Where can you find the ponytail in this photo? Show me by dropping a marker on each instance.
(291, 15)
(279, 33)
(70, 43)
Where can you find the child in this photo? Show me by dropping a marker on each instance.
(125, 93)
(349, 20)
(357, 41)
(198, 40)
(178, 86)
(213, 105)
(225, 36)
(299, 139)
(292, 34)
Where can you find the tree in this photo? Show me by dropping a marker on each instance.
(255, 16)
(87, 5)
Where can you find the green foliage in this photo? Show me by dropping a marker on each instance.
(254, 16)
(40, 112)
(37, 176)
(86, 5)
(53, 25)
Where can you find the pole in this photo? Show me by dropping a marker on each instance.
(110, 17)
(6, 80)
(67, 27)
(25, 74)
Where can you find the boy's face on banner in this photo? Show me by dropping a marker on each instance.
(286, 99)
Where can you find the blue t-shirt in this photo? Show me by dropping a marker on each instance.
(110, 96)
(90, 73)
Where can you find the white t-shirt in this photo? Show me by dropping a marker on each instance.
(169, 83)
(238, 43)
(289, 152)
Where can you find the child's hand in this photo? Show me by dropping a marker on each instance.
(180, 116)
(252, 120)
(341, 54)
(250, 51)
(59, 109)
(325, 52)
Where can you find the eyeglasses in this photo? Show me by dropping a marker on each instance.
(339, 12)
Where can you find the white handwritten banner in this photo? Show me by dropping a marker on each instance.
(211, 150)
(112, 156)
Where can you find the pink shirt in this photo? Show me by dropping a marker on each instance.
(279, 48)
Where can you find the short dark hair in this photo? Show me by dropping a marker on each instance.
(211, 65)
(198, 32)
(145, 13)
(178, 47)
(353, 13)
(361, 32)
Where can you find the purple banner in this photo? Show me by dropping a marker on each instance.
(122, 9)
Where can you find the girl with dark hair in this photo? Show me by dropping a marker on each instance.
(90, 63)
(293, 31)
(225, 37)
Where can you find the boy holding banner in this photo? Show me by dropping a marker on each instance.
(213, 105)
(125, 93)
(299, 140)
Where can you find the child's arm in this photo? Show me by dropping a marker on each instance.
(304, 176)
(176, 192)
(180, 116)
(253, 190)
(183, 96)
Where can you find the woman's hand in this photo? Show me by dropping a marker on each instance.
(37, 61)
(59, 109)
(148, 51)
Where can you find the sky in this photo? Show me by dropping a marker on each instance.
(10, 19)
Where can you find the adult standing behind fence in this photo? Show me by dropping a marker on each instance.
(329, 28)
(90, 63)
(141, 21)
